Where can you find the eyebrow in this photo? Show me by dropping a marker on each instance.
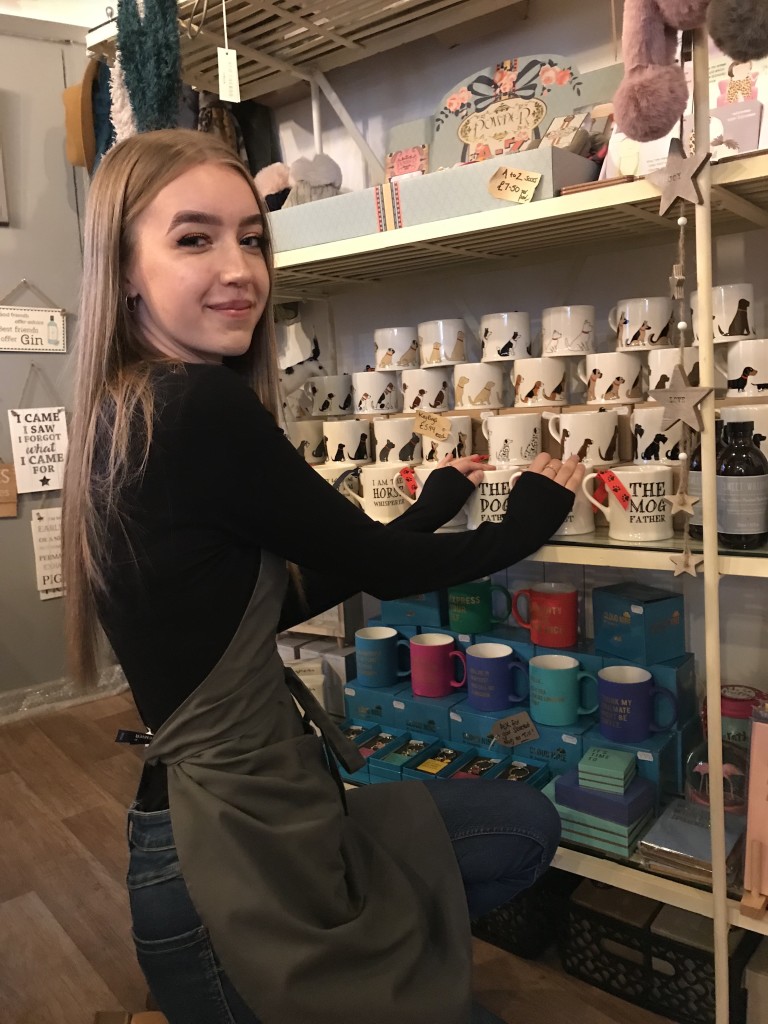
(198, 217)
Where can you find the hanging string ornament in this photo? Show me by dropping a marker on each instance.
(150, 58)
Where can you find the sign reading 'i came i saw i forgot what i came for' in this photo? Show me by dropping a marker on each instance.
(39, 444)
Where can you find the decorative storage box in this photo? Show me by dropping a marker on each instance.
(348, 215)
(657, 957)
(656, 757)
(373, 703)
(418, 610)
(425, 714)
(639, 623)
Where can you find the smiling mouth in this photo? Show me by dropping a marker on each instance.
(232, 307)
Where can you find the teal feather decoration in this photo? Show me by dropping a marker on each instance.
(150, 54)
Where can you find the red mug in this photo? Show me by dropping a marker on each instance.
(553, 613)
(432, 664)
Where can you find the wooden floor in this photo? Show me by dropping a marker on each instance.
(65, 946)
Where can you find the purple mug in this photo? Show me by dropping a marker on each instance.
(491, 671)
(627, 704)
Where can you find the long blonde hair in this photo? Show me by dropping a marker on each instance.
(113, 385)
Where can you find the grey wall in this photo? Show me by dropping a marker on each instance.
(43, 245)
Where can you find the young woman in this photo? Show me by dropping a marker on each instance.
(257, 894)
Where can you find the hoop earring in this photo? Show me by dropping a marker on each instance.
(131, 302)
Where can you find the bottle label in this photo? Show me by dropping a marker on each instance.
(742, 504)
(694, 490)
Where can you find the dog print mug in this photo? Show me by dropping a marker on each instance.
(443, 342)
(458, 443)
(645, 515)
(641, 323)
(308, 439)
(478, 386)
(745, 366)
(651, 444)
(426, 390)
(396, 348)
(733, 312)
(612, 377)
(395, 440)
(592, 435)
(567, 330)
(540, 381)
(375, 391)
(348, 441)
(513, 438)
(505, 336)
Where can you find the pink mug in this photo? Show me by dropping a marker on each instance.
(432, 656)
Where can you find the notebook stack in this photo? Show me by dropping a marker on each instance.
(603, 804)
(679, 844)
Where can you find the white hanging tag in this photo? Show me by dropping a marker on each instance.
(229, 82)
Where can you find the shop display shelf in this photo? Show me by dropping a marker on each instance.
(623, 216)
(278, 44)
(633, 878)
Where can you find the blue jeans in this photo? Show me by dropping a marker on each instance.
(504, 835)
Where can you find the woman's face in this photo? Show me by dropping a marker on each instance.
(198, 269)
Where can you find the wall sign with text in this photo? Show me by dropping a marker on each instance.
(39, 444)
(26, 329)
(46, 539)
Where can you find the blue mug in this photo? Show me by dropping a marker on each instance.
(376, 656)
(491, 674)
(558, 692)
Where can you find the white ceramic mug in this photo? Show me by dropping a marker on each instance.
(379, 496)
(489, 502)
(593, 436)
(443, 342)
(648, 516)
(758, 414)
(612, 377)
(329, 396)
(396, 347)
(478, 386)
(395, 441)
(458, 442)
(567, 330)
(745, 366)
(421, 474)
(345, 473)
(375, 391)
(641, 323)
(426, 390)
(514, 438)
(505, 336)
(307, 438)
(581, 518)
(733, 312)
(662, 362)
(348, 441)
(651, 443)
(540, 381)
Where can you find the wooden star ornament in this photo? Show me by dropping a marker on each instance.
(682, 502)
(678, 179)
(686, 561)
(680, 401)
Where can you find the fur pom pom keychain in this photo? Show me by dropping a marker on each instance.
(653, 95)
(740, 28)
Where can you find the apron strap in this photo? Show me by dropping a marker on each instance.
(343, 748)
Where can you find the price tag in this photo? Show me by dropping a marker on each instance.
(513, 185)
(431, 425)
(512, 731)
(229, 81)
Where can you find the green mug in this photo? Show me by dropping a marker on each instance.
(470, 606)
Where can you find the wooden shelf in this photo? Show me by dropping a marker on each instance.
(281, 42)
(621, 216)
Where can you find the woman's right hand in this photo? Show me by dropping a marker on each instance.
(568, 474)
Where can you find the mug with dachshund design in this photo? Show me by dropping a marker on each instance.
(567, 330)
(396, 348)
(443, 342)
(478, 386)
(593, 436)
(348, 441)
(505, 336)
(394, 440)
(652, 445)
(733, 312)
(745, 365)
(661, 363)
(540, 381)
(427, 390)
(458, 443)
(641, 323)
(375, 391)
(612, 377)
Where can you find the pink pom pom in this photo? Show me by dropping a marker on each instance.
(650, 101)
(683, 14)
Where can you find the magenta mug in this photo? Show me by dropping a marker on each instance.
(433, 657)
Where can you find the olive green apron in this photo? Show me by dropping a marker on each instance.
(318, 914)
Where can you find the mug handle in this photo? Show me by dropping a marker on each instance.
(400, 486)
(590, 710)
(459, 656)
(406, 646)
(581, 370)
(613, 319)
(721, 360)
(605, 509)
(661, 692)
(520, 667)
(516, 614)
(555, 431)
(498, 589)
(484, 428)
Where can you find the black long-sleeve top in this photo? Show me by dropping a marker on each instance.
(222, 482)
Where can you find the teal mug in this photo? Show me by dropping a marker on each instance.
(470, 606)
(559, 690)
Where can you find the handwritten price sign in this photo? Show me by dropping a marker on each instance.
(431, 425)
(513, 185)
(517, 729)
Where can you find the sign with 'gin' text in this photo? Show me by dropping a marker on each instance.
(39, 445)
(25, 329)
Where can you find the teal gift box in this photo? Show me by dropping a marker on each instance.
(359, 733)
(678, 675)
(518, 639)
(588, 658)
(417, 610)
(372, 703)
(657, 757)
(642, 624)
(466, 725)
(387, 764)
(425, 714)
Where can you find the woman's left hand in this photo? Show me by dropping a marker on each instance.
(468, 466)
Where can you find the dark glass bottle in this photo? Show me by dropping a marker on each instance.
(695, 523)
(742, 493)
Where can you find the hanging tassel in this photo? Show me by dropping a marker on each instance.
(150, 55)
(121, 112)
